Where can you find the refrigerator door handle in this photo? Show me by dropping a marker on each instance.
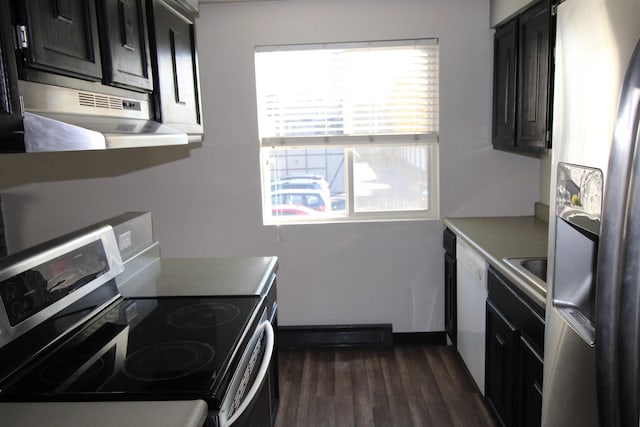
(617, 316)
(629, 316)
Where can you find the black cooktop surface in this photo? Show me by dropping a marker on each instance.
(143, 348)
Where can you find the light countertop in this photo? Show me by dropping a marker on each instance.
(201, 276)
(187, 413)
(495, 238)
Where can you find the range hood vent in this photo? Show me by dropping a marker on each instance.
(63, 119)
(86, 99)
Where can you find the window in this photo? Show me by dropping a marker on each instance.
(348, 131)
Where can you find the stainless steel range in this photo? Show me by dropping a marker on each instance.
(67, 334)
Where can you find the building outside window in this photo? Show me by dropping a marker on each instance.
(349, 131)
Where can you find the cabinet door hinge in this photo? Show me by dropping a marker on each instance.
(548, 136)
(21, 37)
(554, 9)
(21, 106)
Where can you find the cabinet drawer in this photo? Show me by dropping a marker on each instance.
(501, 362)
(525, 315)
(530, 385)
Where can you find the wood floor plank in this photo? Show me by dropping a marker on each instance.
(463, 412)
(322, 412)
(439, 414)
(308, 383)
(410, 373)
(419, 410)
(483, 411)
(396, 393)
(427, 380)
(289, 387)
(343, 374)
(326, 373)
(377, 390)
(362, 406)
(404, 386)
(344, 412)
(448, 390)
(459, 374)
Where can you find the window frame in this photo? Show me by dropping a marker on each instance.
(347, 143)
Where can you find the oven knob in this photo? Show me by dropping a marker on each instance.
(18, 310)
(9, 291)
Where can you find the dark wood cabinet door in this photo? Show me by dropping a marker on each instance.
(125, 44)
(176, 81)
(450, 295)
(62, 37)
(533, 77)
(501, 345)
(530, 385)
(10, 111)
(504, 85)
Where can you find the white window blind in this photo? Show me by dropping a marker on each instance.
(349, 131)
(342, 92)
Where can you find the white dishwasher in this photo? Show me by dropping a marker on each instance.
(471, 300)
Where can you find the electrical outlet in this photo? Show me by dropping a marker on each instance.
(124, 240)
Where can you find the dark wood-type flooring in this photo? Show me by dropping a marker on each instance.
(402, 386)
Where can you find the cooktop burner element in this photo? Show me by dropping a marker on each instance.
(168, 360)
(203, 315)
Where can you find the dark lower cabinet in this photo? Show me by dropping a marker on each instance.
(530, 386)
(450, 285)
(450, 296)
(500, 388)
(514, 354)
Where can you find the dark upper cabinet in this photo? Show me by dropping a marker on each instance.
(522, 84)
(504, 84)
(534, 78)
(95, 40)
(61, 37)
(10, 111)
(125, 44)
(176, 78)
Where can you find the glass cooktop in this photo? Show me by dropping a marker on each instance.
(143, 348)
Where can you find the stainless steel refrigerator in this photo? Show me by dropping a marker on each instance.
(592, 338)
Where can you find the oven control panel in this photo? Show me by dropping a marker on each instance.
(33, 290)
(38, 283)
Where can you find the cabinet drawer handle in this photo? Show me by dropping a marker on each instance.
(537, 387)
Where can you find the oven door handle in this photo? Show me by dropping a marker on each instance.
(262, 373)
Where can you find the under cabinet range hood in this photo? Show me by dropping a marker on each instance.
(62, 119)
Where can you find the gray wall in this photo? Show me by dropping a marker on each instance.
(206, 201)
(501, 10)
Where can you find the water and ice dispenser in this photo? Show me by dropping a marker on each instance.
(578, 216)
